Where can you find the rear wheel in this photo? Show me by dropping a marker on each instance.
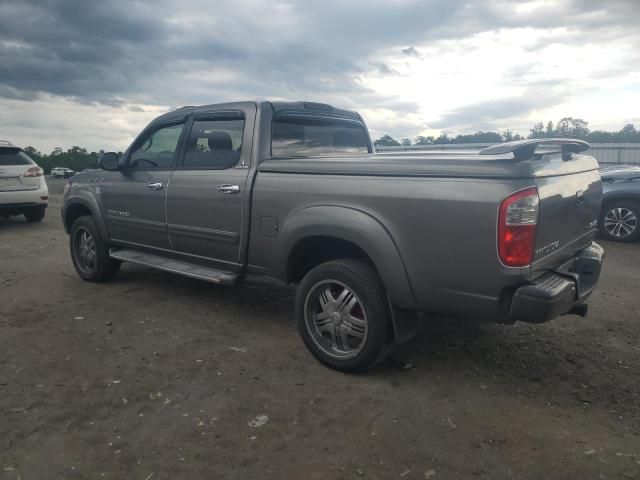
(34, 214)
(619, 221)
(342, 315)
(89, 253)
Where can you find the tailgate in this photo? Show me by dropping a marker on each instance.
(567, 222)
(14, 163)
(12, 179)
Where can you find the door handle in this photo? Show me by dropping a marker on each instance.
(226, 188)
(154, 186)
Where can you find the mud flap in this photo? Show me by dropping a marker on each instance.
(405, 323)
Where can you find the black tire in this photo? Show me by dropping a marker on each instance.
(370, 303)
(34, 214)
(102, 267)
(618, 210)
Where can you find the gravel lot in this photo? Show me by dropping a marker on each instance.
(154, 376)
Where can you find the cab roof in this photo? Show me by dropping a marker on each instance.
(278, 107)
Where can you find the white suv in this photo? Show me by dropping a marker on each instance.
(23, 190)
(62, 172)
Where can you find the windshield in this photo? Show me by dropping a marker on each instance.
(309, 136)
(14, 156)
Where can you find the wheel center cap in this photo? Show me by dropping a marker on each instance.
(336, 318)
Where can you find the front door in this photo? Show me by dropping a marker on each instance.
(134, 198)
(206, 198)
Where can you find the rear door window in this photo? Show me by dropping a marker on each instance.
(214, 144)
(307, 136)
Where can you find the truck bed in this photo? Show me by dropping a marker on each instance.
(440, 210)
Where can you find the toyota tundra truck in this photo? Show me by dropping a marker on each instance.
(373, 241)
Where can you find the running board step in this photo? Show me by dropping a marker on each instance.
(175, 266)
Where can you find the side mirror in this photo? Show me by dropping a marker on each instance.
(109, 161)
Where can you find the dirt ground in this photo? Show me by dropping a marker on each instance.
(154, 376)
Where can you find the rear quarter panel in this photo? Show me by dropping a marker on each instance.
(443, 228)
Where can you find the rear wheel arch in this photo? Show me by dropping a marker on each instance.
(608, 201)
(313, 250)
(348, 233)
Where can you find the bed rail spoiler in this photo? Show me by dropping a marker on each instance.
(525, 149)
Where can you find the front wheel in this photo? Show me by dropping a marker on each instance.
(89, 254)
(342, 315)
(619, 221)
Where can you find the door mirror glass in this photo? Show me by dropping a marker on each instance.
(109, 161)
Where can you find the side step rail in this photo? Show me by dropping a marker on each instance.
(175, 266)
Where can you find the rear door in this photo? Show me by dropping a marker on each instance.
(134, 198)
(208, 192)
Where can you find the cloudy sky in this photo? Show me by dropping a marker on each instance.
(93, 73)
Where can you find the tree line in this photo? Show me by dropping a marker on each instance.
(76, 158)
(566, 127)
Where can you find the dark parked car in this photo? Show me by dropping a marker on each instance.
(620, 203)
(296, 191)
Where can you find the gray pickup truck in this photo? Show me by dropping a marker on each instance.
(373, 241)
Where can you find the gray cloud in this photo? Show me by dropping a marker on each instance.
(172, 52)
(484, 114)
(411, 52)
(103, 52)
(384, 69)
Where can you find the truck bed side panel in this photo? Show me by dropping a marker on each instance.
(444, 228)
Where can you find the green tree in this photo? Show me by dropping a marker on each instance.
(76, 158)
(406, 142)
(421, 140)
(386, 141)
(537, 131)
(629, 133)
(479, 137)
(442, 139)
(572, 127)
(550, 129)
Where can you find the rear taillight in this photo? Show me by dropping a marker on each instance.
(517, 224)
(34, 172)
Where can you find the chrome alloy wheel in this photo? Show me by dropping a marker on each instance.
(335, 319)
(84, 250)
(620, 222)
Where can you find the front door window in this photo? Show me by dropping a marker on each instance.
(157, 150)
